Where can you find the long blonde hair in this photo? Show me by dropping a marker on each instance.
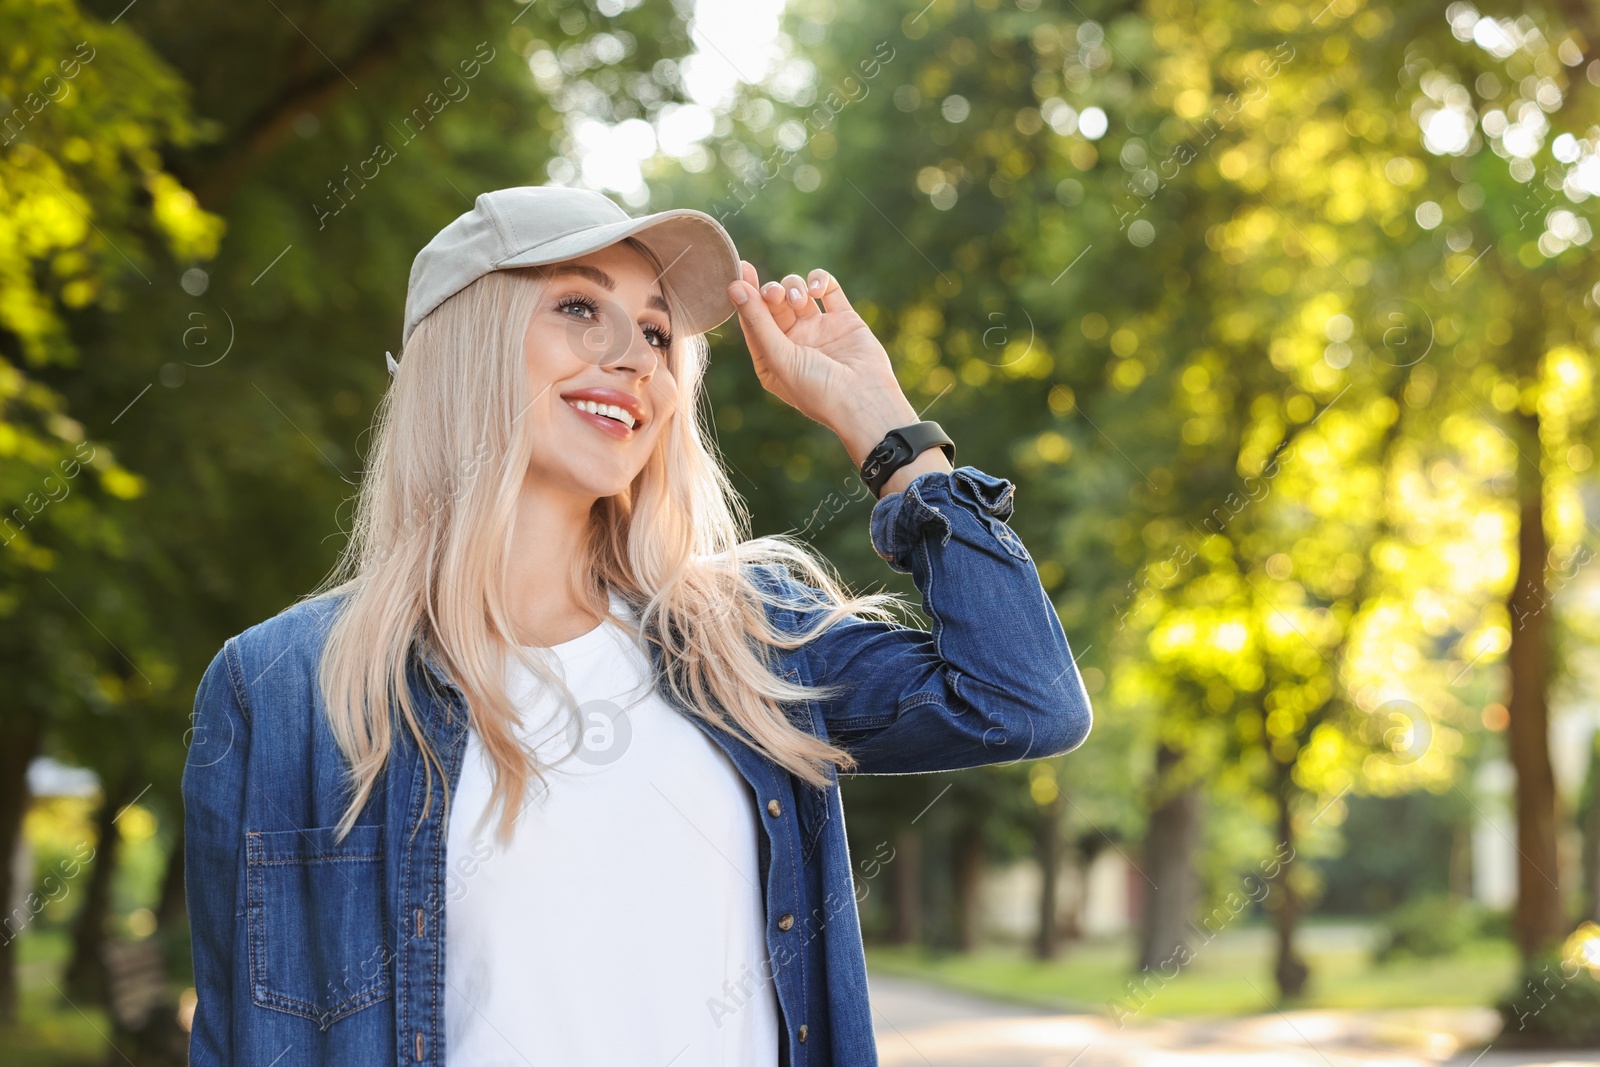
(424, 570)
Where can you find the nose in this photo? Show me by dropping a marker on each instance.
(640, 359)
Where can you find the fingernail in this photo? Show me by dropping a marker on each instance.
(795, 294)
(816, 283)
(737, 294)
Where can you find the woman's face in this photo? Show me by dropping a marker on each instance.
(599, 373)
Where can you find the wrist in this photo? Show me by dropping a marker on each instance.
(868, 417)
(929, 462)
(907, 449)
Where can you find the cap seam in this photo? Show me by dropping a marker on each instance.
(495, 220)
(559, 236)
(548, 240)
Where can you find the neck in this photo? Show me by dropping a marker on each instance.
(547, 545)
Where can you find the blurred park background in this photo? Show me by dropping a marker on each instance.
(1283, 318)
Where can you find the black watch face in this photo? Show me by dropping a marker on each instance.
(888, 456)
(884, 453)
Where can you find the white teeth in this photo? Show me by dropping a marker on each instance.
(610, 411)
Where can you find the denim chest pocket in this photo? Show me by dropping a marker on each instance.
(316, 921)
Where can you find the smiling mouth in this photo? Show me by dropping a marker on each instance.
(606, 411)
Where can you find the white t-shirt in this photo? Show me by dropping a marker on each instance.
(624, 923)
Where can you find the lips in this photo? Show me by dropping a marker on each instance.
(609, 410)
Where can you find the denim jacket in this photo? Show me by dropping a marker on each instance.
(312, 951)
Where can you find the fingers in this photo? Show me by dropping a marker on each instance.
(798, 298)
(778, 305)
(795, 298)
(762, 333)
(825, 287)
(771, 293)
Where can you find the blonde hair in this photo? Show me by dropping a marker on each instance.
(424, 569)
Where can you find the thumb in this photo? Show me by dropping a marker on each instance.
(761, 331)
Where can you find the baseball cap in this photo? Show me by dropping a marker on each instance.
(530, 225)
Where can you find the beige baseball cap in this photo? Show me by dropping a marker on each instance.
(530, 225)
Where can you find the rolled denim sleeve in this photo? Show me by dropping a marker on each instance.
(213, 836)
(992, 680)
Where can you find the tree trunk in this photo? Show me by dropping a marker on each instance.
(971, 854)
(1590, 825)
(1289, 970)
(1170, 843)
(171, 906)
(19, 743)
(86, 978)
(1461, 860)
(1078, 859)
(1539, 921)
(1047, 850)
(905, 874)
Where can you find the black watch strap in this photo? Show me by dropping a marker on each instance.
(900, 447)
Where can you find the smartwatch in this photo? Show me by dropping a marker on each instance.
(900, 447)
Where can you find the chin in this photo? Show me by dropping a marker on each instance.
(609, 488)
(591, 481)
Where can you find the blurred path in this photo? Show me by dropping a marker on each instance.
(922, 1025)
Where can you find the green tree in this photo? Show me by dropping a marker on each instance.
(88, 205)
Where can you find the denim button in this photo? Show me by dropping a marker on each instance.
(774, 808)
(786, 922)
(804, 1030)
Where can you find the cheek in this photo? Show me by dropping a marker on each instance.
(664, 398)
(544, 353)
(538, 347)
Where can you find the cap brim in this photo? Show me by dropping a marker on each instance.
(697, 256)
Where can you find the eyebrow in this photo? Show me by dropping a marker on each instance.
(606, 282)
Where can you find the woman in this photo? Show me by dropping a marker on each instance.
(556, 704)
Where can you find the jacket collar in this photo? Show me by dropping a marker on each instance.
(438, 681)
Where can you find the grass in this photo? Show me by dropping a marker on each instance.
(49, 1031)
(1231, 975)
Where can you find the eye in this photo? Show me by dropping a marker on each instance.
(588, 308)
(657, 336)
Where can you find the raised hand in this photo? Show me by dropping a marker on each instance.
(812, 351)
